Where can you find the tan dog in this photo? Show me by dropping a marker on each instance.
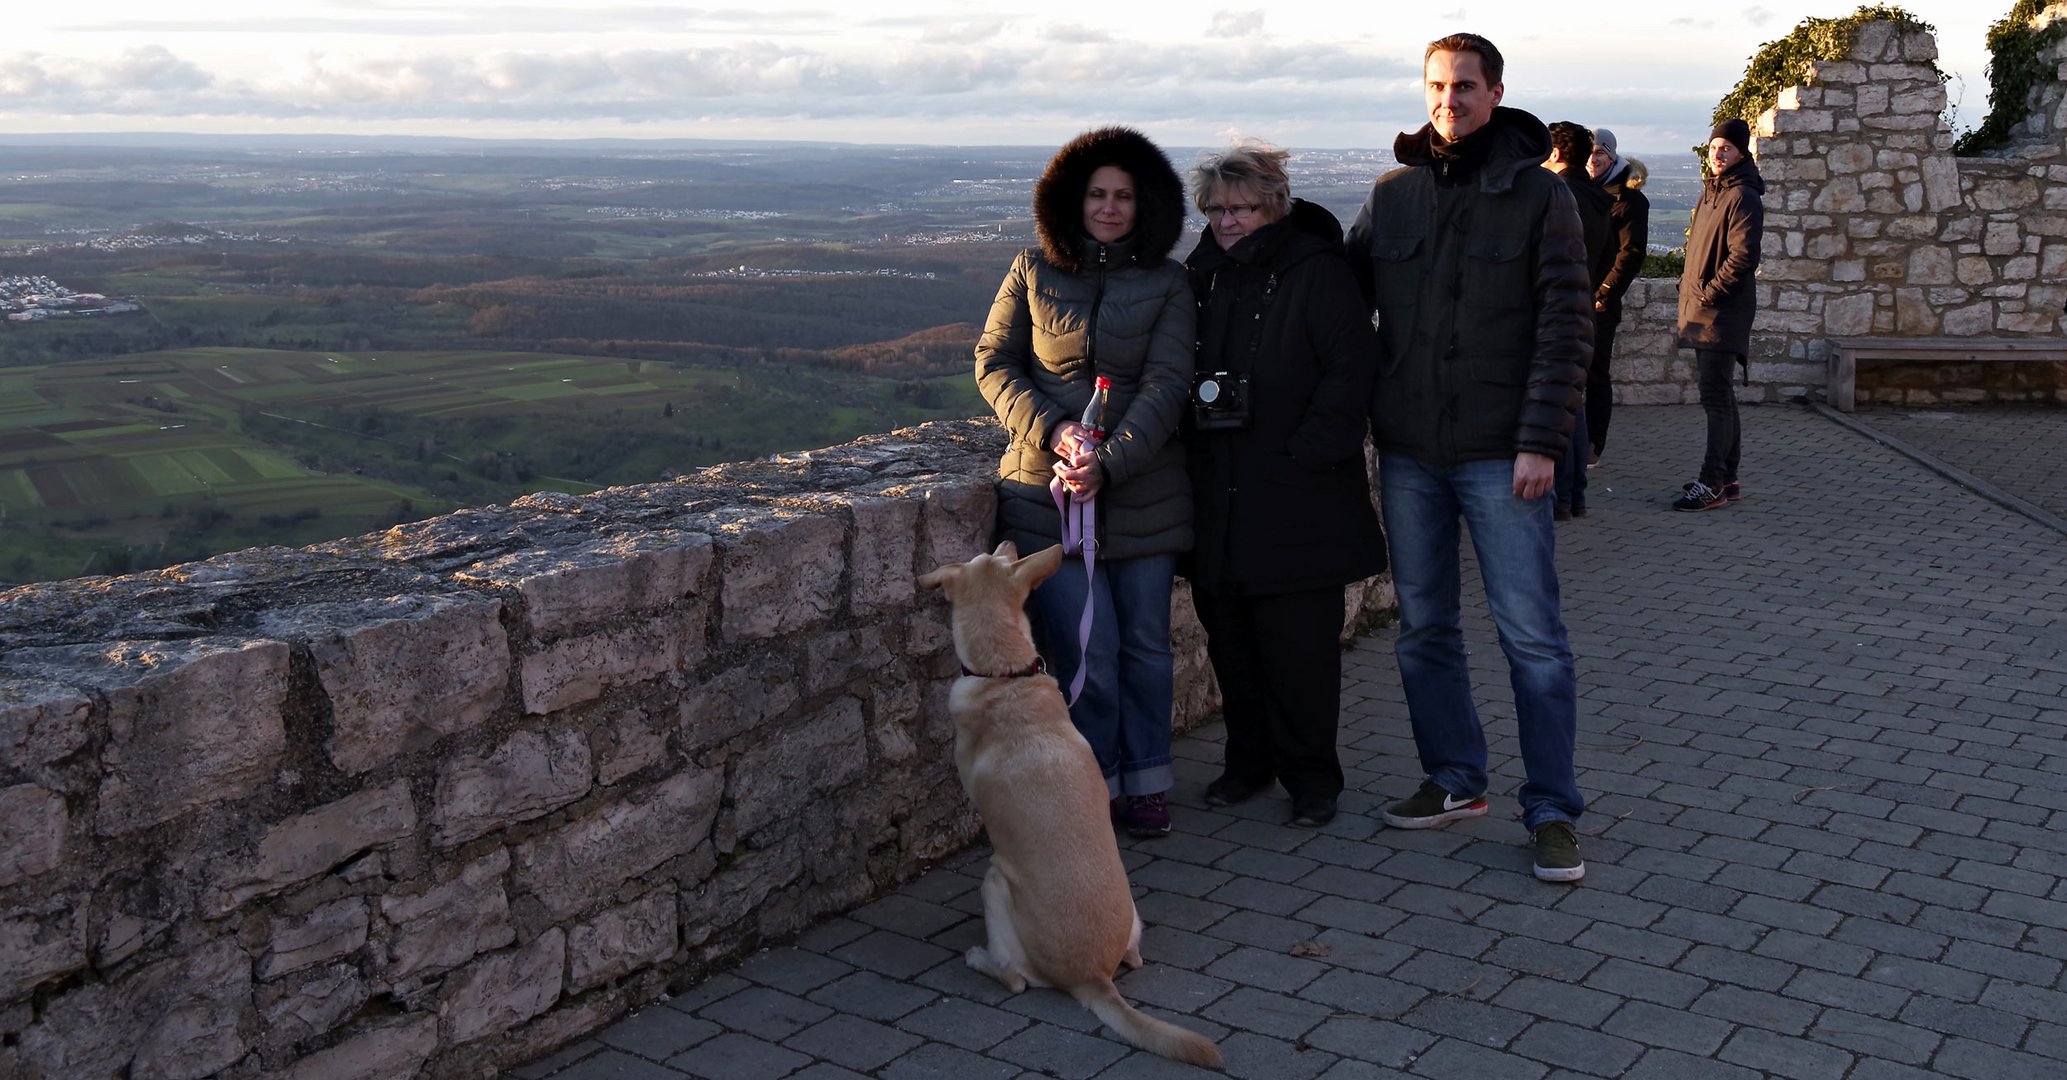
(1055, 900)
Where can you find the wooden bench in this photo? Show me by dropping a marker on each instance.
(1844, 365)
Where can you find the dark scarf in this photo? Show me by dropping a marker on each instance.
(1460, 161)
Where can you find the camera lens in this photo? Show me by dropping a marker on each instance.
(1209, 391)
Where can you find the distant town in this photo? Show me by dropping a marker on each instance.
(34, 298)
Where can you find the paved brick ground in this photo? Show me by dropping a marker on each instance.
(2001, 444)
(1824, 737)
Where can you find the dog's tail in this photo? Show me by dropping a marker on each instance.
(1145, 1031)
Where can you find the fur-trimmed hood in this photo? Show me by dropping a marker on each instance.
(1058, 205)
(1633, 174)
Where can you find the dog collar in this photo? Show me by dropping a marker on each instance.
(1038, 667)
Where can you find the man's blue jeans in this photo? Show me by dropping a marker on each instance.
(1517, 560)
(1124, 712)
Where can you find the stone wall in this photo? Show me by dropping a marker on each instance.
(1874, 227)
(433, 801)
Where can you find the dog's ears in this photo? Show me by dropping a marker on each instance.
(1037, 567)
(935, 579)
(1007, 550)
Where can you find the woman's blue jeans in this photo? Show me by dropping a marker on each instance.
(1515, 543)
(1124, 712)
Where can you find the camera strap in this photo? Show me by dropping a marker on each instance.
(1079, 534)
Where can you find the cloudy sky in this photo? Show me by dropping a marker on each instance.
(933, 71)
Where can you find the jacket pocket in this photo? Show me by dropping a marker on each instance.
(1495, 270)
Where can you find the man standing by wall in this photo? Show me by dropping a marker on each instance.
(1717, 303)
(1472, 257)
(1623, 179)
(1570, 147)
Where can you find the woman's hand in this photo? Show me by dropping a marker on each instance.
(1071, 440)
(1082, 475)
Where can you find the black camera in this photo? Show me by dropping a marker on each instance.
(1220, 400)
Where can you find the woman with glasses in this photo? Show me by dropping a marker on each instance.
(1101, 298)
(1275, 443)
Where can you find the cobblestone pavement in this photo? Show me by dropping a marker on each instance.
(1823, 734)
(2004, 445)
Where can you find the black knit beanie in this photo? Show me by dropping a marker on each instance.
(1735, 132)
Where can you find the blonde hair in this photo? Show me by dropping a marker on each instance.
(1252, 164)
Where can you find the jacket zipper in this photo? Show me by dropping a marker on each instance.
(1091, 327)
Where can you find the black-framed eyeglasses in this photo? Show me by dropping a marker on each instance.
(1240, 210)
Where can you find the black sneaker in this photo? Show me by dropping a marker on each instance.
(1698, 496)
(1432, 806)
(1146, 816)
(1733, 491)
(1557, 852)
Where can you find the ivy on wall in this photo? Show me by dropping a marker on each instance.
(2014, 71)
(1780, 64)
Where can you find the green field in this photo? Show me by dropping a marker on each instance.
(150, 458)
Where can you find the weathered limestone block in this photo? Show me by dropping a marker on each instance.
(189, 723)
(396, 1051)
(895, 709)
(401, 672)
(1913, 227)
(1975, 270)
(835, 658)
(1927, 99)
(33, 827)
(739, 699)
(1871, 98)
(302, 847)
(1893, 121)
(621, 940)
(958, 522)
(1848, 316)
(2044, 225)
(747, 880)
(1876, 181)
(792, 766)
(1970, 321)
(601, 579)
(1930, 265)
(572, 867)
(2002, 238)
(1914, 315)
(330, 931)
(1822, 72)
(40, 722)
(780, 574)
(529, 775)
(1826, 245)
(626, 745)
(38, 945)
(2008, 194)
(1796, 121)
(578, 669)
(183, 1018)
(886, 534)
(445, 925)
(296, 1010)
(1785, 269)
(2021, 268)
(1792, 242)
(1887, 202)
(1842, 195)
(1848, 270)
(1800, 97)
(497, 993)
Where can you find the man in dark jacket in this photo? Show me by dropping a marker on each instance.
(1473, 259)
(1570, 146)
(1717, 303)
(1623, 179)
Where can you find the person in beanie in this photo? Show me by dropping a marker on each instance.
(1716, 303)
(1571, 146)
(1101, 296)
(1623, 179)
(1475, 263)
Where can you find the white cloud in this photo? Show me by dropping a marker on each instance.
(1235, 24)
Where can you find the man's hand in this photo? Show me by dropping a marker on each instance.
(1533, 475)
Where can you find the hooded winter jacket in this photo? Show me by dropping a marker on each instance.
(1717, 300)
(1077, 309)
(1283, 504)
(1631, 218)
(1484, 305)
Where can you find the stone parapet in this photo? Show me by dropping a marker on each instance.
(432, 801)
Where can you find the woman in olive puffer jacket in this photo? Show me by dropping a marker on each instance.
(1101, 297)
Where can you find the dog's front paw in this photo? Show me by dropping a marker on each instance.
(979, 958)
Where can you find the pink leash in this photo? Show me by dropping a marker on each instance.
(1079, 533)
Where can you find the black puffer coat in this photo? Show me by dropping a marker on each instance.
(1631, 218)
(1284, 505)
(1077, 309)
(1487, 318)
(1717, 298)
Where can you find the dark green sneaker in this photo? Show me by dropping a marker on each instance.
(1432, 806)
(1557, 852)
